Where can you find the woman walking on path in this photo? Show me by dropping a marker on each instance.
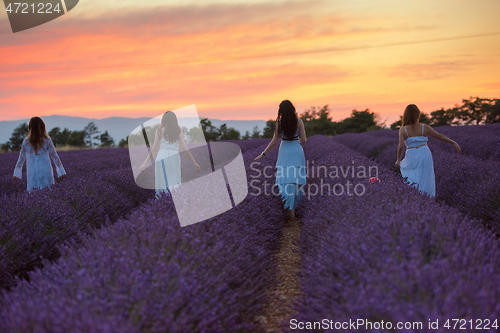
(37, 150)
(417, 166)
(291, 164)
(168, 139)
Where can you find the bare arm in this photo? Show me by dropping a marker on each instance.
(271, 144)
(183, 146)
(431, 132)
(400, 147)
(302, 133)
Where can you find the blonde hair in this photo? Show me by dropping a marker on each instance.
(411, 115)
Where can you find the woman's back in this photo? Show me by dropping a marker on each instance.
(414, 137)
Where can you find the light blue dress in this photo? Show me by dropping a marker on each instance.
(291, 171)
(167, 167)
(417, 166)
(38, 167)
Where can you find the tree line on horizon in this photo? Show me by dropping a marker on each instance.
(87, 138)
(474, 110)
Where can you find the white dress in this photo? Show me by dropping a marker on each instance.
(38, 167)
(417, 166)
(167, 167)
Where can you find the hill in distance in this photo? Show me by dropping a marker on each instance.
(117, 127)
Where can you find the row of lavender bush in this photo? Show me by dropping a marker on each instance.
(32, 224)
(147, 274)
(99, 187)
(391, 254)
(462, 181)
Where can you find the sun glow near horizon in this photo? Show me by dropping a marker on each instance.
(239, 60)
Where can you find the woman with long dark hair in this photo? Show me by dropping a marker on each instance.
(291, 163)
(37, 150)
(417, 166)
(168, 139)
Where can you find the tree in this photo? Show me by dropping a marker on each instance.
(16, 139)
(228, 133)
(210, 131)
(318, 121)
(76, 139)
(268, 131)
(106, 140)
(256, 133)
(494, 113)
(5, 147)
(90, 134)
(123, 142)
(444, 117)
(359, 121)
(246, 136)
(59, 138)
(475, 109)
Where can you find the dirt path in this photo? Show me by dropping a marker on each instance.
(279, 312)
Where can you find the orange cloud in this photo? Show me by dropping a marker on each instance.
(233, 60)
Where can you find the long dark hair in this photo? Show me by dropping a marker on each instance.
(411, 115)
(37, 133)
(287, 119)
(171, 126)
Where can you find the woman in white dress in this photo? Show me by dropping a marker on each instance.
(168, 139)
(417, 166)
(37, 150)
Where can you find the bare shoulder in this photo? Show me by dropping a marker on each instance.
(301, 123)
(428, 128)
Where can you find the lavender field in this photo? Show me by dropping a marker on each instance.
(96, 253)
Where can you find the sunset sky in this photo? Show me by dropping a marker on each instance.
(240, 59)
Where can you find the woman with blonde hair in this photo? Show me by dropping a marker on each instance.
(417, 166)
(37, 150)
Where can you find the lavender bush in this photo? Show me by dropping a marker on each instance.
(392, 254)
(146, 274)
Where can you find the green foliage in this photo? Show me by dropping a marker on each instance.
(255, 133)
(228, 133)
(474, 110)
(444, 117)
(318, 121)
(16, 139)
(213, 133)
(210, 131)
(268, 131)
(123, 142)
(106, 140)
(76, 139)
(494, 113)
(59, 138)
(359, 121)
(91, 132)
